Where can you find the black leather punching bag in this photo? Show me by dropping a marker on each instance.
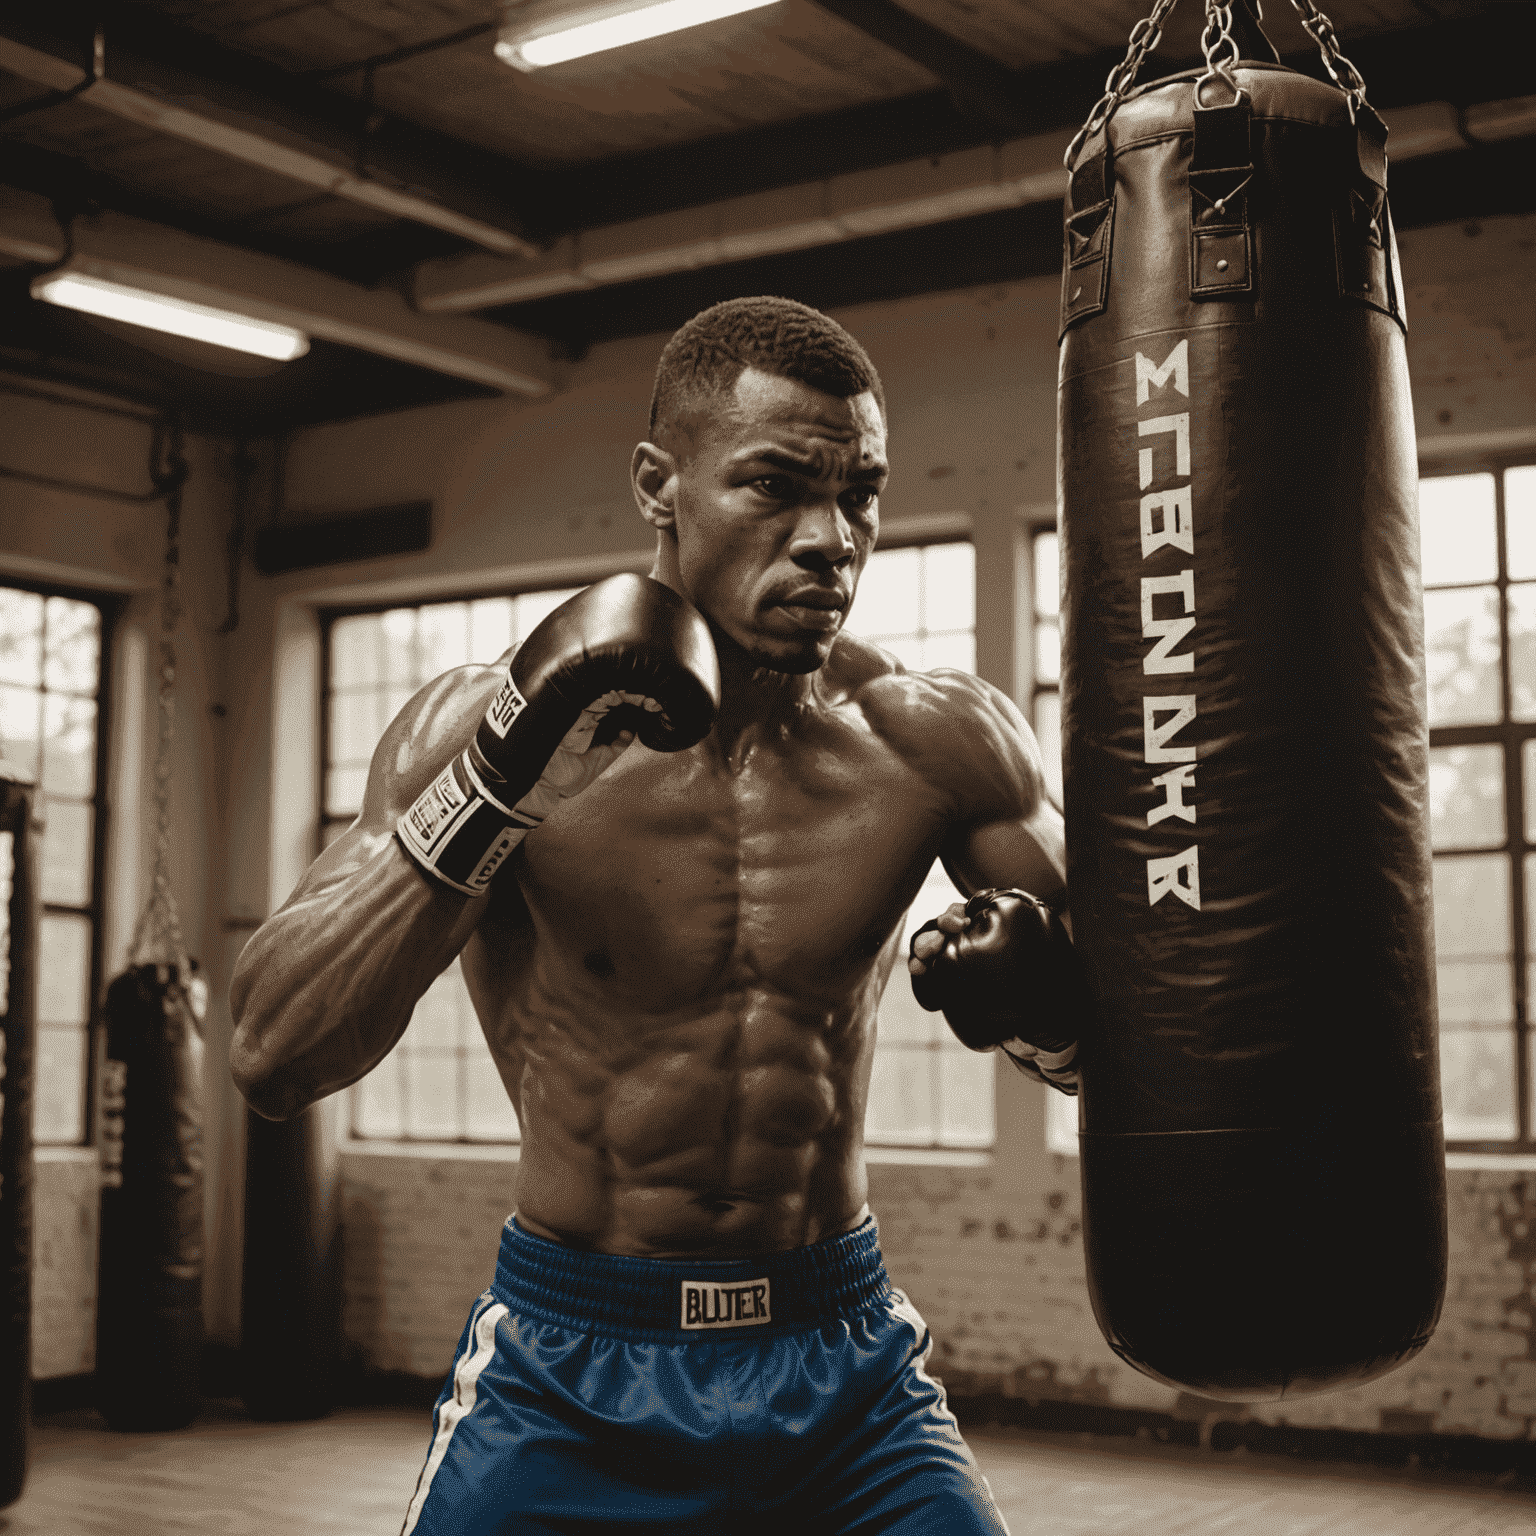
(149, 1310)
(291, 1281)
(18, 1026)
(1245, 745)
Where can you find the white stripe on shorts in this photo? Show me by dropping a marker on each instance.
(466, 1373)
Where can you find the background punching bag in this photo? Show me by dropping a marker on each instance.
(290, 1305)
(1244, 739)
(18, 1019)
(149, 1311)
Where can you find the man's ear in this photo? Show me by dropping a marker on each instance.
(653, 475)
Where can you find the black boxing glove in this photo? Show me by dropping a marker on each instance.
(625, 654)
(1010, 979)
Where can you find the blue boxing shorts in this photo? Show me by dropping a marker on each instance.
(596, 1392)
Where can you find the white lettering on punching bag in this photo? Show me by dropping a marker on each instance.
(1167, 522)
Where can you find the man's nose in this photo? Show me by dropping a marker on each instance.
(823, 538)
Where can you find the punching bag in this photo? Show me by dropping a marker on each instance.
(1244, 740)
(149, 1311)
(290, 1306)
(18, 1022)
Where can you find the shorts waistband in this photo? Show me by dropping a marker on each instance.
(690, 1298)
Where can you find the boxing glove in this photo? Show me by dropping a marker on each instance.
(1010, 979)
(625, 654)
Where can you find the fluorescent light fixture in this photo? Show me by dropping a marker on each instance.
(221, 327)
(611, 27)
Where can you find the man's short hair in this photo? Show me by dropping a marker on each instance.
(778, 336)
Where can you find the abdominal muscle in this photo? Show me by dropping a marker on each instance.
(737, 1130)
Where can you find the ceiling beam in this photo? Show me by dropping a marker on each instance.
(174, 82)
(937, 189)
(176, 265)
(978, 84)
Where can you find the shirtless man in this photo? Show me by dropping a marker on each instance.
(677, 968)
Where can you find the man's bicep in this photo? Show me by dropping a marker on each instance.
(1028, 852)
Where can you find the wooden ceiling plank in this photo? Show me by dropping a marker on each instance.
(254, 138)
(119, 248)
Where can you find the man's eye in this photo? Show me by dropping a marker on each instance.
(860, 498)
(776, 487)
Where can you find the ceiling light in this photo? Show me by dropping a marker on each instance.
(594, 31)
(114, 301)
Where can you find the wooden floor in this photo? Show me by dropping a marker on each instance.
(351, 1475)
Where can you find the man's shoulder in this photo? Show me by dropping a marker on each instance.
(940, 722)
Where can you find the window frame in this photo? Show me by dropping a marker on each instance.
(110, 605)
(1509, 735)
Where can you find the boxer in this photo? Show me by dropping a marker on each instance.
(672, 838)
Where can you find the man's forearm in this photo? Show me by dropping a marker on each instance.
(325, 987)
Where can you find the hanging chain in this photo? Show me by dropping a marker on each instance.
(1344, 74)
(1145, 36)
(159, 928)
(1219, 48)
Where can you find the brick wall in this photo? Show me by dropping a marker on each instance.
(994, 1262)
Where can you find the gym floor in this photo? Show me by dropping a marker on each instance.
(351, 1475)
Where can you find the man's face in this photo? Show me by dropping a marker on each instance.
(777, 510)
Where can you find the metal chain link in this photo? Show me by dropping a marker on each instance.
(157, 935)
(1145, 36)
(1343, 73)
(1218, 32)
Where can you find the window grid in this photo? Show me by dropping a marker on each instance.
(1509, 738)
(927, 1089)
(70, 867)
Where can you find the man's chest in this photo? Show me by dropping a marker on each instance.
(800, 858)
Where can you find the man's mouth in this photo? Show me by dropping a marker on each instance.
(815, 608)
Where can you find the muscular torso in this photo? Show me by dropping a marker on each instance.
(680, 987)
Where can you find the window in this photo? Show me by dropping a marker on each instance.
(1046, 650)
(51, 677)
(1479, 543)
(439, 1083)
(925, 1088)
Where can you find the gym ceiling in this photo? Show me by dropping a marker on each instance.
(443, 225)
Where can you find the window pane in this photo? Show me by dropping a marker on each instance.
(66, 853)
(532, 608)
(69, 745)
(1048, 734)
(1047, 575)
(58, 1107)
(1461, 641)
(1529, 753)
(488, 1113)
(1477, 1083)
(357, 721)
(20, 717)
(1466, 796)
(1520, 521)
(1061, 1124)
(435, 1025)
(490, 628)
(21, 636)
(901, 1084)
(344, 790)
(442, 629)
(1457, 529)
(376, 1106)
(912, 654)
(434, 1096)
(965, 1096)
(957, 651)
(356, 648)
(889, 595)
(950, 588)
(73, 659)
(1472, 940)
(1047, 653)
(1522, 652)
(397, 647)
(64, 969)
